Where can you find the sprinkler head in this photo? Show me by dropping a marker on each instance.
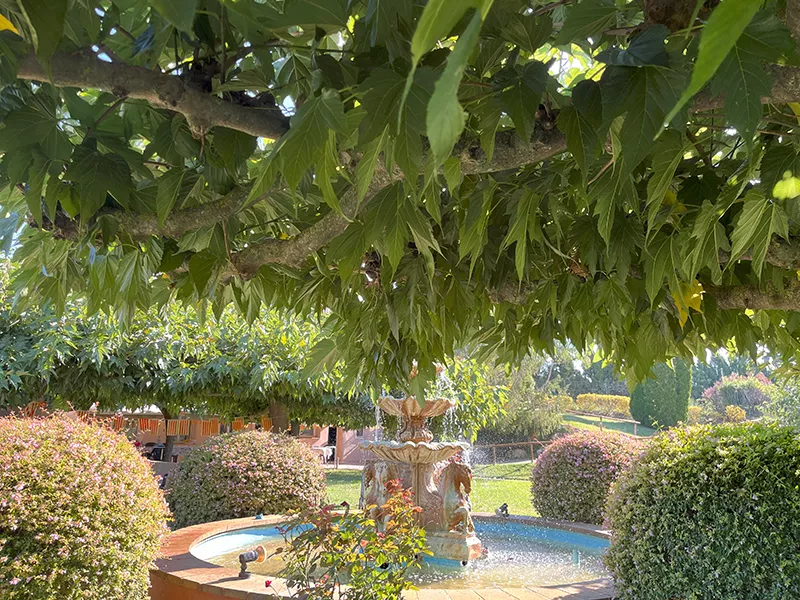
(257, 554)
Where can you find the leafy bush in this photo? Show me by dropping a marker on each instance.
(710, 512)
(242, 474)
(735, 414)
(784, 407)
(81, 515)
(571, 478)
(751, 393)
(664, 400)
(694, 415)
(349, 549)
(604, 404)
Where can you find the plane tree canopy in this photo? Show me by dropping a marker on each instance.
(179, 362)
(424, 176)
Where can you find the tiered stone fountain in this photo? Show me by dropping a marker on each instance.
(441, 488)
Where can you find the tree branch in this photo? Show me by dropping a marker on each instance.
(785, 88)
(793, 19)
(202, 111)
(294, 252)
(509, 153)
(142, 226)
(749, 297)
(780, 253)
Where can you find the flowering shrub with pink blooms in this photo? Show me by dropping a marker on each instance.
(572, 477)
(81, 515)
(709, 512)
(242, 474)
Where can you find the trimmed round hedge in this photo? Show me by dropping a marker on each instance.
(242, 474)
(81, 515)
(572, 477)
(710, 512)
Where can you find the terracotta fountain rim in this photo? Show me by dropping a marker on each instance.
(179, 571)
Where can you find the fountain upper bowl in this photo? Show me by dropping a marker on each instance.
(409, 407)
(414, 452)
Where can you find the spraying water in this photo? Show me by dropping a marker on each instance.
(378, 424)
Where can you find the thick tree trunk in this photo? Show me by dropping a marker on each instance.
(279, 416)
(169, 443)
(295, 430)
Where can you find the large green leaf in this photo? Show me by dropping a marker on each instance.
(781, 165)
(445, 115)
(667, 155)
(581, 123)
(96, 176)
(523, 227)
(586, 20)
(759, 220)
(529, 33)
(12, 48)
(644, 95)
(46, 18)
(385, 17)
(724, 26)
(612, 191)
(178, 12)
(36, 179)
(202, 268)
(234, 147)
(169, 186)
(437, 21)
(305, 142)
(647, 48)
(709, 239)
(520, 94)
(24, 128)
(742, 77)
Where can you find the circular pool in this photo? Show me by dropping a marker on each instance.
(524, 554)
(517, 555)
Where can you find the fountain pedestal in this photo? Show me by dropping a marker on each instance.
(440, 489)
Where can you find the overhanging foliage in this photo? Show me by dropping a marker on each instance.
(426, 175)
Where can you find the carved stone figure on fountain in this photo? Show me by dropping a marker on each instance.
(455, 485)
(374, 478)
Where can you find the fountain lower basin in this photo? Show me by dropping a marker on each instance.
(187, 569)
(518, 554)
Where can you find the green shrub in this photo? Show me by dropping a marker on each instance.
(243, 474)
(694, 415)
(710, 512)
(750, 393)
(604, 404)
(664, 400)
(81, 515)
(572, 477)
(735, 414)
(346, 549)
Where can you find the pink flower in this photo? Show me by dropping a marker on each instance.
(268, 583)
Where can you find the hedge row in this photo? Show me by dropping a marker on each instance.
(604, 404)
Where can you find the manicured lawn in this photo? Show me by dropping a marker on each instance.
(487, 494)
(343, 485)
(593, 424)
(513, 470)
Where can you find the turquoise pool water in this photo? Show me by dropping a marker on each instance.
(517, 555)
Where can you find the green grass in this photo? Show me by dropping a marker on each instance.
(343, 485)
(593, 424)
(513, 470)
(487, 494)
